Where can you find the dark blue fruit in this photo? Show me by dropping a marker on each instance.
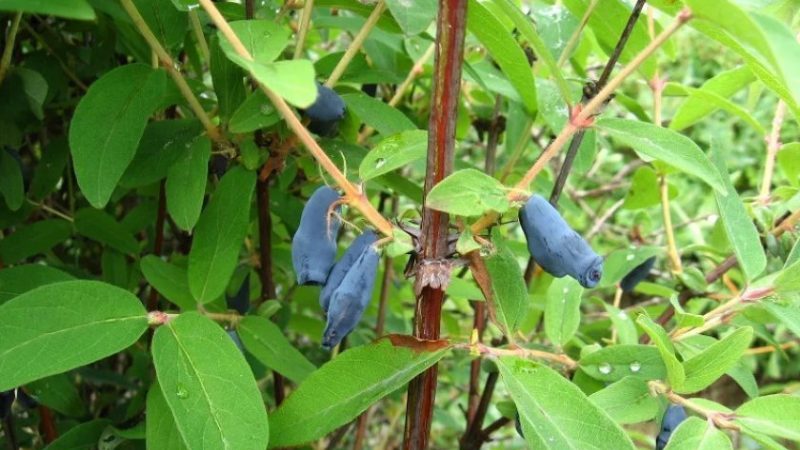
(672, 418)
(351, 298)
(314, 243)
(637, 275)
(326, 112)
(6, 400)
(557, 247)
(241, 301)
(343, 266)
(518, 425)
(370, 89)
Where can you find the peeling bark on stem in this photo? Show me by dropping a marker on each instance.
(450, 30)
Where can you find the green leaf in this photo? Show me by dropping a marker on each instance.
(739, 227)
(49, 169)
(413, 17)
(66, 325)
(219, 235)
(384, 118)
(626, 330)
(228, 79)
(163, 143)
(30, 240)
(161, 429)
(509, 296)
(394, 152)
(787, 282)
(526, 28)
(676, 374)
(266, 342)
(562, 313)
(619, 361)
(21, 279)
(340, 390)
(714, 101)
(665, 145)
(723, 85)
(291, 79)
(256, 112)
(186, 184)
(627, 401)
(11, 184)
(697, 434)
(101, 227)
(108, 124)
(468, 192)
(59, 393)
(786, 51)
(620, 262)
(69, 9)
(775, 415)
(556, 414)
(165, 21)
(208, 386)
(505, 51)
(264, 39)
(713, 362)
(169, 280)
(789, 162)
(84, 436)
(645, 190)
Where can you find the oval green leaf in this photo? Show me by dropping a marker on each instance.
(267, 343)
(468, 192)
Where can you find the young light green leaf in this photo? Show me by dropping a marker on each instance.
(30, 240)
(219, 235)
(675, 371)
(619, 361)
(645, 190)
(254, 113)
(739, 227)
(719, 102)
(108, 124)
(626, 330)
(556, 414)
(11, 185)
(562, 314)
(267, 343)
(505, 51)
(82, 436)
(21, 279)
(68, 9)
(413, 17)
(665, 145)
(54, 320)
(291, 79)
(627, 401)
(723, 85)
(697, 434)
(186, 184)
(340, 390)
(208, 386)
(394, 152)
(98, 225)
(713, 362)
(468, 192)
(509, 296)
(620, 262)
(169, 280)
(775, 415)
(384, 118)
(161, 429)
(264, 39)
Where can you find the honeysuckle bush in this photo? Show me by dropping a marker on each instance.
(155, 163)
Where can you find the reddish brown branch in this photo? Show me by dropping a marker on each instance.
(47, 425)
(450, 30)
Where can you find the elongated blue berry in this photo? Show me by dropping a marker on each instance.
(6, 400)
(557, 247)
(343, 266)
(673, 417)
(637, 275)
(326, 112)
(241, 301)
(314, 243)
(351, 297)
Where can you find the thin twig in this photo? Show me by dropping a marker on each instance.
(8, 50)
(573, 40)
(355, 46)
(308, 8)
(352, 194)
(197, 28)
(672, 248)
(70, 74)
(773, 145)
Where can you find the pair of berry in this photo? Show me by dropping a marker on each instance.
(348, 283)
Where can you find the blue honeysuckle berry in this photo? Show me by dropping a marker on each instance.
(556, 247)
(326, 112)
(314, 243)
(673, 417)
(351, 297)
(343, 266)
(241, 301)
(637, 275)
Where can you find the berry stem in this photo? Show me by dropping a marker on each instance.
(8, 50)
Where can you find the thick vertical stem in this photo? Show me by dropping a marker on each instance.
(450, 29)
